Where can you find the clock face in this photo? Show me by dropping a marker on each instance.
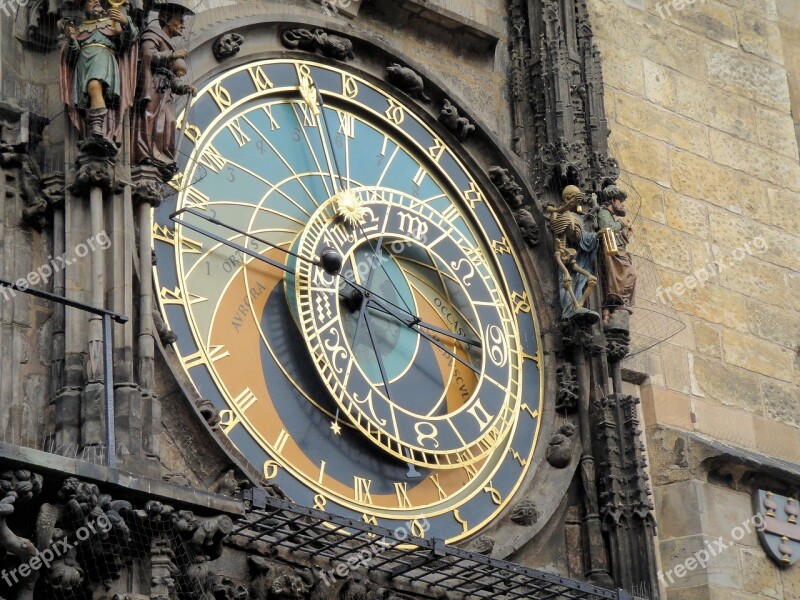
(384, 363)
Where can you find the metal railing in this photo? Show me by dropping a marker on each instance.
(108, 368)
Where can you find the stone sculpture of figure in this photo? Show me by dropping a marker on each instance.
(98, 75)
(619, 275)
(160, 70)
(576, 252)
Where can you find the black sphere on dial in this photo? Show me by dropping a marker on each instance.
(331, 261)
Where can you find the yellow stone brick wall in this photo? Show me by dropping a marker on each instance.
(700, 102)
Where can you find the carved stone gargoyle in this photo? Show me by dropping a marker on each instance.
(318, 40)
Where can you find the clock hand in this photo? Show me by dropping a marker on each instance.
(410, 325)
(365, 297)
(390, 308)
(330, 141)
(329, 260)
(381, 366)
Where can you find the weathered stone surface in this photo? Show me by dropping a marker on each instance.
(700, 178)
(760, 37)
(759, 575)
(777, 439)
(709, 302)
(727, 384)
(724, 509)
(753, 160)
(659, 85)
(669, 248)
(732, 426)
(685, 214)
(723, 570)
(623, 70)
(734, 231)
(662, 124)
(756, 79)
(776, 131)
(715, 107)
(647, 35)
(781, 401)
(777, 324)
(641, 155)
(709, 19)
(665, 407)
(751, 276)
(679, 506)
(782, 211)
(757, 355)
(650, 194)
(763, 8)
(676, 368)
(707, 339)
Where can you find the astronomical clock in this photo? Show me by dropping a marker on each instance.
(347, 291)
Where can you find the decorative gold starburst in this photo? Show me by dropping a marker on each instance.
(350, 208)
(336, 428)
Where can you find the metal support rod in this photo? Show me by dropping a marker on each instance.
(108, 375)
(108, 316)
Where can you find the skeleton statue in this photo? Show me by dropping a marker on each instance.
(575, 254)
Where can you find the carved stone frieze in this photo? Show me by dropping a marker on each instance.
(318, 40)
(460, 126)
(408, 81)
(227, 45)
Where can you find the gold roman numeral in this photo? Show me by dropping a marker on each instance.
(260, 79)
(273, 124)
(212, 159)
(361, 491)
(221, 96)
(401, 491)
(212, 355)
(235, 127)
(347, 124)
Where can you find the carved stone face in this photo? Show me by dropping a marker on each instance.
(94, 9)
(175, 26)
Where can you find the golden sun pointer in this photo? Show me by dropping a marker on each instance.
(350, 208)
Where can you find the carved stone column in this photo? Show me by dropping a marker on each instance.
(93, 177)
(147, 195)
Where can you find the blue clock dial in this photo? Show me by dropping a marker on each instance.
(404, 386)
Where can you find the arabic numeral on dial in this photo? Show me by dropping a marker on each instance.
(497, 345)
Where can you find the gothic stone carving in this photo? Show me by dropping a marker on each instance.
(318, 40)
(227, 45)
(510, 189)
(574, 254)
(559, 452)
(407, 81)
(567, 395)
(525, 513)
(450, 118)
(528, 227)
